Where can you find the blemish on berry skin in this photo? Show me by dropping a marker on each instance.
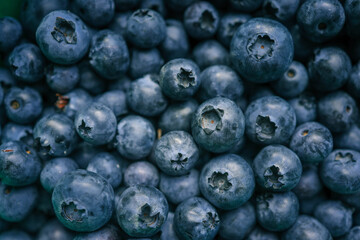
(7, 150)
(62, 101)
(14, 104)
(305, 133)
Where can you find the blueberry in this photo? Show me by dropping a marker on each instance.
(277, 168)
(178, 116)
(277, 211)
(353, 83)
(135, 137)
(304, 106)
(201, 20)
(74, 101)
(33, 11)
(209, 53)
(237, 223)
(218, 124)
(293, 82)
(179, 79)
(303, 48)
(55, 135)
(349, 139)
(312, 142)
(321, 20)
(335, 216)
(195, 218)
(141, 173)
(122, 83)
(145, 97)
(119, 22)
(310, 184)
(27, 63)
(307, 228)
(229, 22)
(261, 50)
(176, 43)
(54, 230)
(220, 81)
(89, 80)
(308, 205)
(14, 234)
(108, 54)
(179, 188)
(62, 79)
(10, 33)
(62, 37)
(115, 100)
(23, 105)
(337, 111)
(94, 12)
(352, 11)
(83, 201)
(339, 171)
(24, 197)
(353, 234)
(107, 232)
(6, 78)
(145, 61)
(145, 28)
(176, 153)
(167, 229)
(246, 5)
(227, 181)
(260, 234)
(19, 164)
(329, 69)
(282, 10)
(269, 120)
(141, 211)
(84, 152)
(96, 124)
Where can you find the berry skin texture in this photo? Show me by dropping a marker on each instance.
(218, 124)
(83, 201)
(227, 181)
(277, 168)
(10, 33)
(96, 124)
(339, 171)
(62, 37)
(261, 50)
(141, 211)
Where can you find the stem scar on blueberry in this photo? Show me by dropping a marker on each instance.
(159, 133)
(14, 104)
(305, 133)
(62, 101)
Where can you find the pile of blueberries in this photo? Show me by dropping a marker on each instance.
(180, 120)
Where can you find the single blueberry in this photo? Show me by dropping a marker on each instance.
(209, 53)
(62, 79)
(227, 181)
(145, 61)
(277, 168)
(261, 50)
(135, 137)
(304, 106)
(54, 230)
(141, 173)
(10, 33)
(115, 100)
(63, 37)
(141, 211)
(83, 201)
(310, 184)
(176, 153)
(218, 124)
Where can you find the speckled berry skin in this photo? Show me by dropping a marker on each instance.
(312, 142)
(277, 211)
(141, 211)
(83, 201)
(269, 120)
(19, 164)
(176, 153)
(135, 137)
(196, 218)
(109, 232)
(340, 171)
(96, 124)
(218, 124)
(277, 168)
(180, 79)
(109, 54)
(261, 50)
(227, 181)
(63, 37)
